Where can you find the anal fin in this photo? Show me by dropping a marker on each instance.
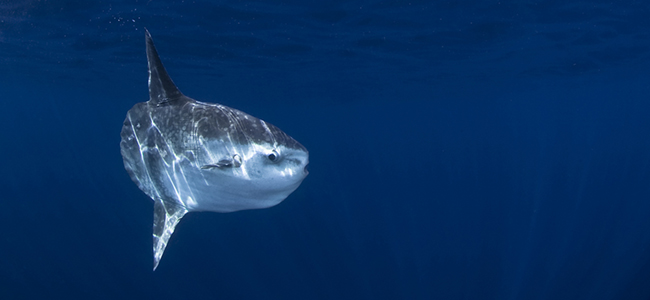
(166, 216)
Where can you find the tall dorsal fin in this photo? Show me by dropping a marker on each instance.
(162, 89)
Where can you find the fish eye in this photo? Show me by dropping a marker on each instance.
(274, 156)
(236, 160)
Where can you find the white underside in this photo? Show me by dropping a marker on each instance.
(254, 185)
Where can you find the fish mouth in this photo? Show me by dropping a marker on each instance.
(306, 169)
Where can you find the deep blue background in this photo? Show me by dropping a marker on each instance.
(459, 149)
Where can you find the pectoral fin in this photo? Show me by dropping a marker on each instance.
(224, 163)
(230, 162)
(166, 216)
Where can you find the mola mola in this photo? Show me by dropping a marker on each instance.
(189, 155)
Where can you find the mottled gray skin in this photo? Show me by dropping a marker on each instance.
(180, 126)
(194, 156)
(186, 119)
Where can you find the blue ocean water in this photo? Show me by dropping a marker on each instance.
(458, 149)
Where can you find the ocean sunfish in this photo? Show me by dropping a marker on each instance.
(189, 155)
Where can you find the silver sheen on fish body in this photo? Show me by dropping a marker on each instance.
(189, 155)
